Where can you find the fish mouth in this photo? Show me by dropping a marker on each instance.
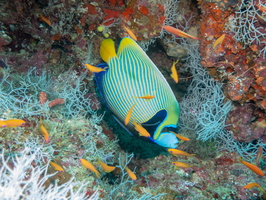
(167, 139)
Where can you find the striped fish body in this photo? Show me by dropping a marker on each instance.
(132, 74)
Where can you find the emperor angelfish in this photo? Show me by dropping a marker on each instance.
(129, 74)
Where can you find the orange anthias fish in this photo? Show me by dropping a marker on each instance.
(181, 137)
(56, 166)
(176, 152)
(253, 168)
(146, 97)
(252, 185)
(44, 131)
(262, 8)
(180, 164)
(178, 32)
(94, 69)
(12, 123)
(105, 167)
(89, 166)
(219, 40)
(45, 19)
(142, 131)
(174, 74)
(127, 119)
(130, 33)
(131, 174)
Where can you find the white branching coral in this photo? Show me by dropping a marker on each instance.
(19, 95)
(20, 179)
(203, 109)
(247, 24)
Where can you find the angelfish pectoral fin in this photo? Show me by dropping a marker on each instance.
(99, 78)
(122, 124)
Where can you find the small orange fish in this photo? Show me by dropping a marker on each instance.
(94, 69)
(142, 131)
(253, 168)
(180, 164)
(131, 174)
(262, 8)
(45, 19)
(146, 97)
(127, 119)
(219, 40)
(12, 123)
(105, 167)
(181, 137)
(178, 32)
(252, 185)
(174, 74)
(89, 166)
(56, 166)
(130, 33)
(176, 152)
(44, 131)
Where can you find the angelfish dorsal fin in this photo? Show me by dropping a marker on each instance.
(128, 42)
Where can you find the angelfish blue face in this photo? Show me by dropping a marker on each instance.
(162, 134)
(167, 139)
(130, 75)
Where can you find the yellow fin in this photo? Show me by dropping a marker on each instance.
(107, 50)
(127, 42)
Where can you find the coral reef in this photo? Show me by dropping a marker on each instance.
(74, 132)
(239, 61)
(20, 94)
(57, 33)
(204, 180)
(221, 90)
(21, 177)
(244, 128)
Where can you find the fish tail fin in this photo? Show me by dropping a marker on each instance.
(98, 175)
(107, 50)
